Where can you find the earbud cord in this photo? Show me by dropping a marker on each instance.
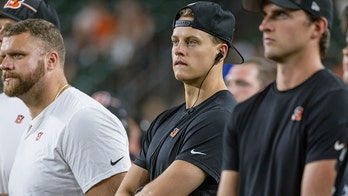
(200, 86)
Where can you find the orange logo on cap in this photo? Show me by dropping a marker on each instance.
(14, 4)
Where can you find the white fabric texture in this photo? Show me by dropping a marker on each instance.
(14, 120)
(69, 148)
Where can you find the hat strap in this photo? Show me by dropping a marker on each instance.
(183, 23)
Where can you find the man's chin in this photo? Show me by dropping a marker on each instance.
(11, 92)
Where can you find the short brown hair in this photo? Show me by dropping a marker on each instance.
(42, 30)
(324, 42)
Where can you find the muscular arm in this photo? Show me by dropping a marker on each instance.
(107, 187)
(318, 178)
(228, 184)
(180, 178)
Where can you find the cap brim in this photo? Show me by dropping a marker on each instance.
(234, 56)
(6, 15)
(256, 5)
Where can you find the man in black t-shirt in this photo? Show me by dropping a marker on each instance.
(286, 139)
(181, 152)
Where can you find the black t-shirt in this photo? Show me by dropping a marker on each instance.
(273, 135)
(195, 137)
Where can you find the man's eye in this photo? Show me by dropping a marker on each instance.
(175, 42)
(17, 56)
(192, 42)
(281, 14)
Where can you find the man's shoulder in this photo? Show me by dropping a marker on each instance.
(327, 79)
(221, 101)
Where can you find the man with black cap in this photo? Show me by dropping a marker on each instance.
(286, 139)
(181, 153)
(15, 116)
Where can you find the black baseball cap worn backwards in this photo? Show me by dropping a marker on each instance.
(24, 9)
(211, 18)
(316, 8)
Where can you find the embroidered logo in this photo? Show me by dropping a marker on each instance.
(115, 162)
(315, 6)
(339, 146)
(19, 119)
(16, 4)
(13, 4)
(38, 137)
(297, 115)
(174, 132)
(195, 152)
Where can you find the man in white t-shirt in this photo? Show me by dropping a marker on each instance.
(74, 145)
(15, 116)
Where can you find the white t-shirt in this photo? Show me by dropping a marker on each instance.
(72, 145)
(14, 120)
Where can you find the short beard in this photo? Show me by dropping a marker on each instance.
(26, 82)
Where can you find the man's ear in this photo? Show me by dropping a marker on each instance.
(320, 27)
(52, 60)
(223, 50)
